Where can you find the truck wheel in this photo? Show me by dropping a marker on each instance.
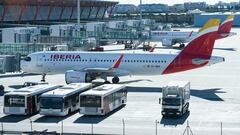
(181, 113)
(1, 88)
(187, 110)
(69, 112)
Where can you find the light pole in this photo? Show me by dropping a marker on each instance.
(140, 10)
(78, 12)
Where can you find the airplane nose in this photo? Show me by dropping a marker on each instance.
(23, 65)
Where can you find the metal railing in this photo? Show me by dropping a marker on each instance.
(22, 48)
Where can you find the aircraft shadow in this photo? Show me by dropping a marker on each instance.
(53, 119)
(133, 81)
(95, 119)
(208, 94)
(14, 118)
(16, 86)
(174, 121)
(144, 89)
(227, 49)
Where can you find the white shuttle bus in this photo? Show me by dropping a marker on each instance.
(62, 101)
(25, 101)
(102, 99)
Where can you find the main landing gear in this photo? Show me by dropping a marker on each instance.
(115, 80)
(182, 45)
(43, 78)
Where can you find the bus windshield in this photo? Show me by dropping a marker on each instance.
(171, 101)
(14, 101)
(51, 103)
(90, 101)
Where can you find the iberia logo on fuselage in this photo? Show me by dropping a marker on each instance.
(65, 56)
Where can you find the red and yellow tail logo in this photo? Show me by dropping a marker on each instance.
(199, 48)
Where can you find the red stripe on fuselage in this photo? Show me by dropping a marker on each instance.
(199, 48)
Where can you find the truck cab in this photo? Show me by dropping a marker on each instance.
(175, 98)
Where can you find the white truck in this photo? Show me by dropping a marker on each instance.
(175, 98)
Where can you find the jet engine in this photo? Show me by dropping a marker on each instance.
(72, 76)
(167, 42)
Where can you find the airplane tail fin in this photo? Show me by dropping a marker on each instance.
(198, 51)
(203, 43)
(226, 25)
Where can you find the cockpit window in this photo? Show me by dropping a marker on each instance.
(27, 58)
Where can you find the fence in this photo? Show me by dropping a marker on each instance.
(124, 127)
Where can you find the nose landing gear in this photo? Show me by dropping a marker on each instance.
(43, 78)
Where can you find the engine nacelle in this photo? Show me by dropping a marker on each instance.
(72, 76)
(167, 42)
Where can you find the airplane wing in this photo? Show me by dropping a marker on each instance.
(97, 70)
(111, 69)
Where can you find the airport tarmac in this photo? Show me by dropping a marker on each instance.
(215, 99)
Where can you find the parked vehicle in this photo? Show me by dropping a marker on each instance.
(175, 98)
(25, 101)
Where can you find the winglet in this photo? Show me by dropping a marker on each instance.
(190, 34)
(118, 62)
(152, 48)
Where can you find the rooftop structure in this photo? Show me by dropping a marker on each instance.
(54, 10)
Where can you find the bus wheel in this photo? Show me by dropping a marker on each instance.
(69, 111)
(1, 88)
(115, 80)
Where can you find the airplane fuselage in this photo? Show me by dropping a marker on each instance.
(132, 63)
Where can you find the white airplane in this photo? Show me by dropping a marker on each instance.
(87, 66)
(170, 38)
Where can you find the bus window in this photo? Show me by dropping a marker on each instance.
(90, 101)
(14, 101)
(53, 103)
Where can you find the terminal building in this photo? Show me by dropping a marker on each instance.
(201, 19)
(52, 10)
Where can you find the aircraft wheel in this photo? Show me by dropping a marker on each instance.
(115, 80)
(182, 45)
(43, 78)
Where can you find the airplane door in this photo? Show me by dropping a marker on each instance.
(40, 60)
